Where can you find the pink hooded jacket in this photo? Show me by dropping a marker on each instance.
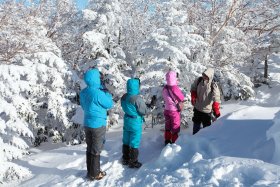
(171, 79)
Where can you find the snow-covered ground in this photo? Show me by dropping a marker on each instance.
(242, 148)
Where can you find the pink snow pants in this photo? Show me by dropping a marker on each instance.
(172, 125)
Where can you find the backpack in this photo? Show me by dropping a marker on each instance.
(215, 80)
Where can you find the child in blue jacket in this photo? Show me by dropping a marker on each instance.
(134, 108)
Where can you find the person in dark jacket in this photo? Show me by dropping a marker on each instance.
(95, 103)
(205, 97)
(134, 108)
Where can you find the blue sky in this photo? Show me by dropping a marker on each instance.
(81, 3)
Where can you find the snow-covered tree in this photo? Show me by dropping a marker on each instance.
(35, 87)
(101, 48)
(173, 45)
(19, 32)
(241, 25)
(262, 25)
(173, 39)
(265, 46)
(230, 48)
(136, 27)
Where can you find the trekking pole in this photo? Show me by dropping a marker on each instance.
(153, 120)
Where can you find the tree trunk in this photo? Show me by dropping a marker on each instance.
(266, 67)
(119, 39)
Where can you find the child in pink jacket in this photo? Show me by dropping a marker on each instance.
(171, 95)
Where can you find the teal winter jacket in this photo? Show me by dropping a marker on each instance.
(134, 108)
(94, 101)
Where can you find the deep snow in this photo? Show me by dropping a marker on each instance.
(237, 150)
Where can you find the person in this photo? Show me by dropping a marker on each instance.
(134, 109)
(95, 102)
(205, 97)
(171, 95)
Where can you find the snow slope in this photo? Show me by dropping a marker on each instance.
(240, 149)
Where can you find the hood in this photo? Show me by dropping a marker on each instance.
(92, 78)
(133, 86)
(171, 78)
(209, 73)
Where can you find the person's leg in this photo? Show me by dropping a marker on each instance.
(125, 152)
(98, 139)
(206, 120)
(196, 128)
(196, 121)
(134, 163)
(96, 174)
(125, 147)
(135, 140)
(88, 152)
(167, 137)
(175, 123)
(167, 132)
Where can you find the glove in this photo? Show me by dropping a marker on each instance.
(216, 109)
(193, 97)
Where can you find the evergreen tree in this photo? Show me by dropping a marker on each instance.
(100, 42)
(35, 89)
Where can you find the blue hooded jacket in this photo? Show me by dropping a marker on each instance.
(94, 101)
(134, 108)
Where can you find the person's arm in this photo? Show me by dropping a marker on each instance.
(141, 106)
(216, 100)
(178, 93)
(194, 92)
(105, 99)
(216, 93)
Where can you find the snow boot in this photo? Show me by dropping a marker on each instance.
(134, 158)
(167, 142)
(95, 173)
(100, 175)
(125, 157)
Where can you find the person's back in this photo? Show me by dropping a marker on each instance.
(94, 101)
(205, 97)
